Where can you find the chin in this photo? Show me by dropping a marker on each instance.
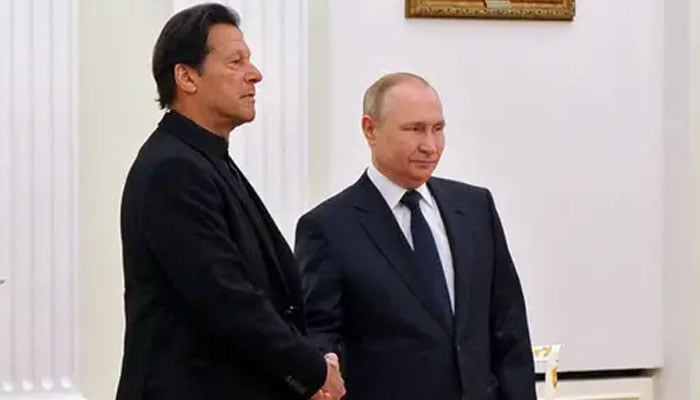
(242, 119)
(415, 181)
(422, 176)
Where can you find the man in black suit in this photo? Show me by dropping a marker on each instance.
(407, 276)
(213, 296)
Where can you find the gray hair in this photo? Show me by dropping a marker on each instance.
(373, 100)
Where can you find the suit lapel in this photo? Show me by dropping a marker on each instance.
(214, 148)
(379, 222)
(460, 235)
(258, 225)
(280, 250)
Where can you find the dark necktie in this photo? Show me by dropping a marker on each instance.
(427, 257)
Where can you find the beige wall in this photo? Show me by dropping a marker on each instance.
(695, 184)
(117, 111)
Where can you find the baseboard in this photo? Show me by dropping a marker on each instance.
(629, 388)
(41, 396)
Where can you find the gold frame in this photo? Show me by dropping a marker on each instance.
(496, 9)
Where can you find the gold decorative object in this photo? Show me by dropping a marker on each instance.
(549, 355)
(499, 9)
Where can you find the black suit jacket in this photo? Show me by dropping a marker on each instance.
(365, 300)
(213, 296)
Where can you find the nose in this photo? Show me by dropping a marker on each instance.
(429, 144)
(254, 75)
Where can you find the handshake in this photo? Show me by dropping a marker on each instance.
(334, 388)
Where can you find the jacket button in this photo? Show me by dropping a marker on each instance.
(291, 311)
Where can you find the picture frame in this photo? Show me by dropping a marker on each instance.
(563, 10)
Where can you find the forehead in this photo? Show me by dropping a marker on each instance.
(226, 38)
(413, 98)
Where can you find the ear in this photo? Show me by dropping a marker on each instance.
(369, 128)
(186, 78)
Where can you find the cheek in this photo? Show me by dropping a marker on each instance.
(226, 83)
(401, 151)
(440, 144)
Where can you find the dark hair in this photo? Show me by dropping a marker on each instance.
(183, 40)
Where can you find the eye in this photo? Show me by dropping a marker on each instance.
(413, 128)
(235, 63)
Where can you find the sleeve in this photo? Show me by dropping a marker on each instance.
(511, 350)
(322, 285)
(184, 227)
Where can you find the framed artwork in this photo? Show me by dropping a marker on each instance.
(500, 9)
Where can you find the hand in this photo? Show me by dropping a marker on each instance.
(334, 388)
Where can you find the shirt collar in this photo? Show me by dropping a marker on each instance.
(391, 192)
(196, 136)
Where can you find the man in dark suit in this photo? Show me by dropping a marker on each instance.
(213, 296)
(407, 276)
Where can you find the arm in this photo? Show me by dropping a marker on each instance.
(511, 351)
(321, 278)
(185, 229)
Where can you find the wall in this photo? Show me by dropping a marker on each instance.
(117, 112)
(674, 379)
(694, 211)
(563, 121)
(680, 377)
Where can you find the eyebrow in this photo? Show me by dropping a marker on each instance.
(230, 55)
(440, 122)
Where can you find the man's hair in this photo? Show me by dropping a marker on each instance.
(373, 100)
(183, 40)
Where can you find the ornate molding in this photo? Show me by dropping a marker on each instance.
(38, 199)
(493, 9)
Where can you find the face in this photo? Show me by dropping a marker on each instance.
(226, 84)
(408, 139)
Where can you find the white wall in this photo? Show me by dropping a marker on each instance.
(694, 211)
(674, 379)
(680, 377)
(563, 121)
(117, 112)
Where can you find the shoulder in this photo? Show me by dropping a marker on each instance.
(460, 190)
(164, 154)
(166, 164)
(337, 208)
(332, 206)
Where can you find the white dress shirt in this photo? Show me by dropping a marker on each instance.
(392, 194)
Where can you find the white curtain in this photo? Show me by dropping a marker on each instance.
(38, 194)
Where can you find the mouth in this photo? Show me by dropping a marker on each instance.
(424, 163)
